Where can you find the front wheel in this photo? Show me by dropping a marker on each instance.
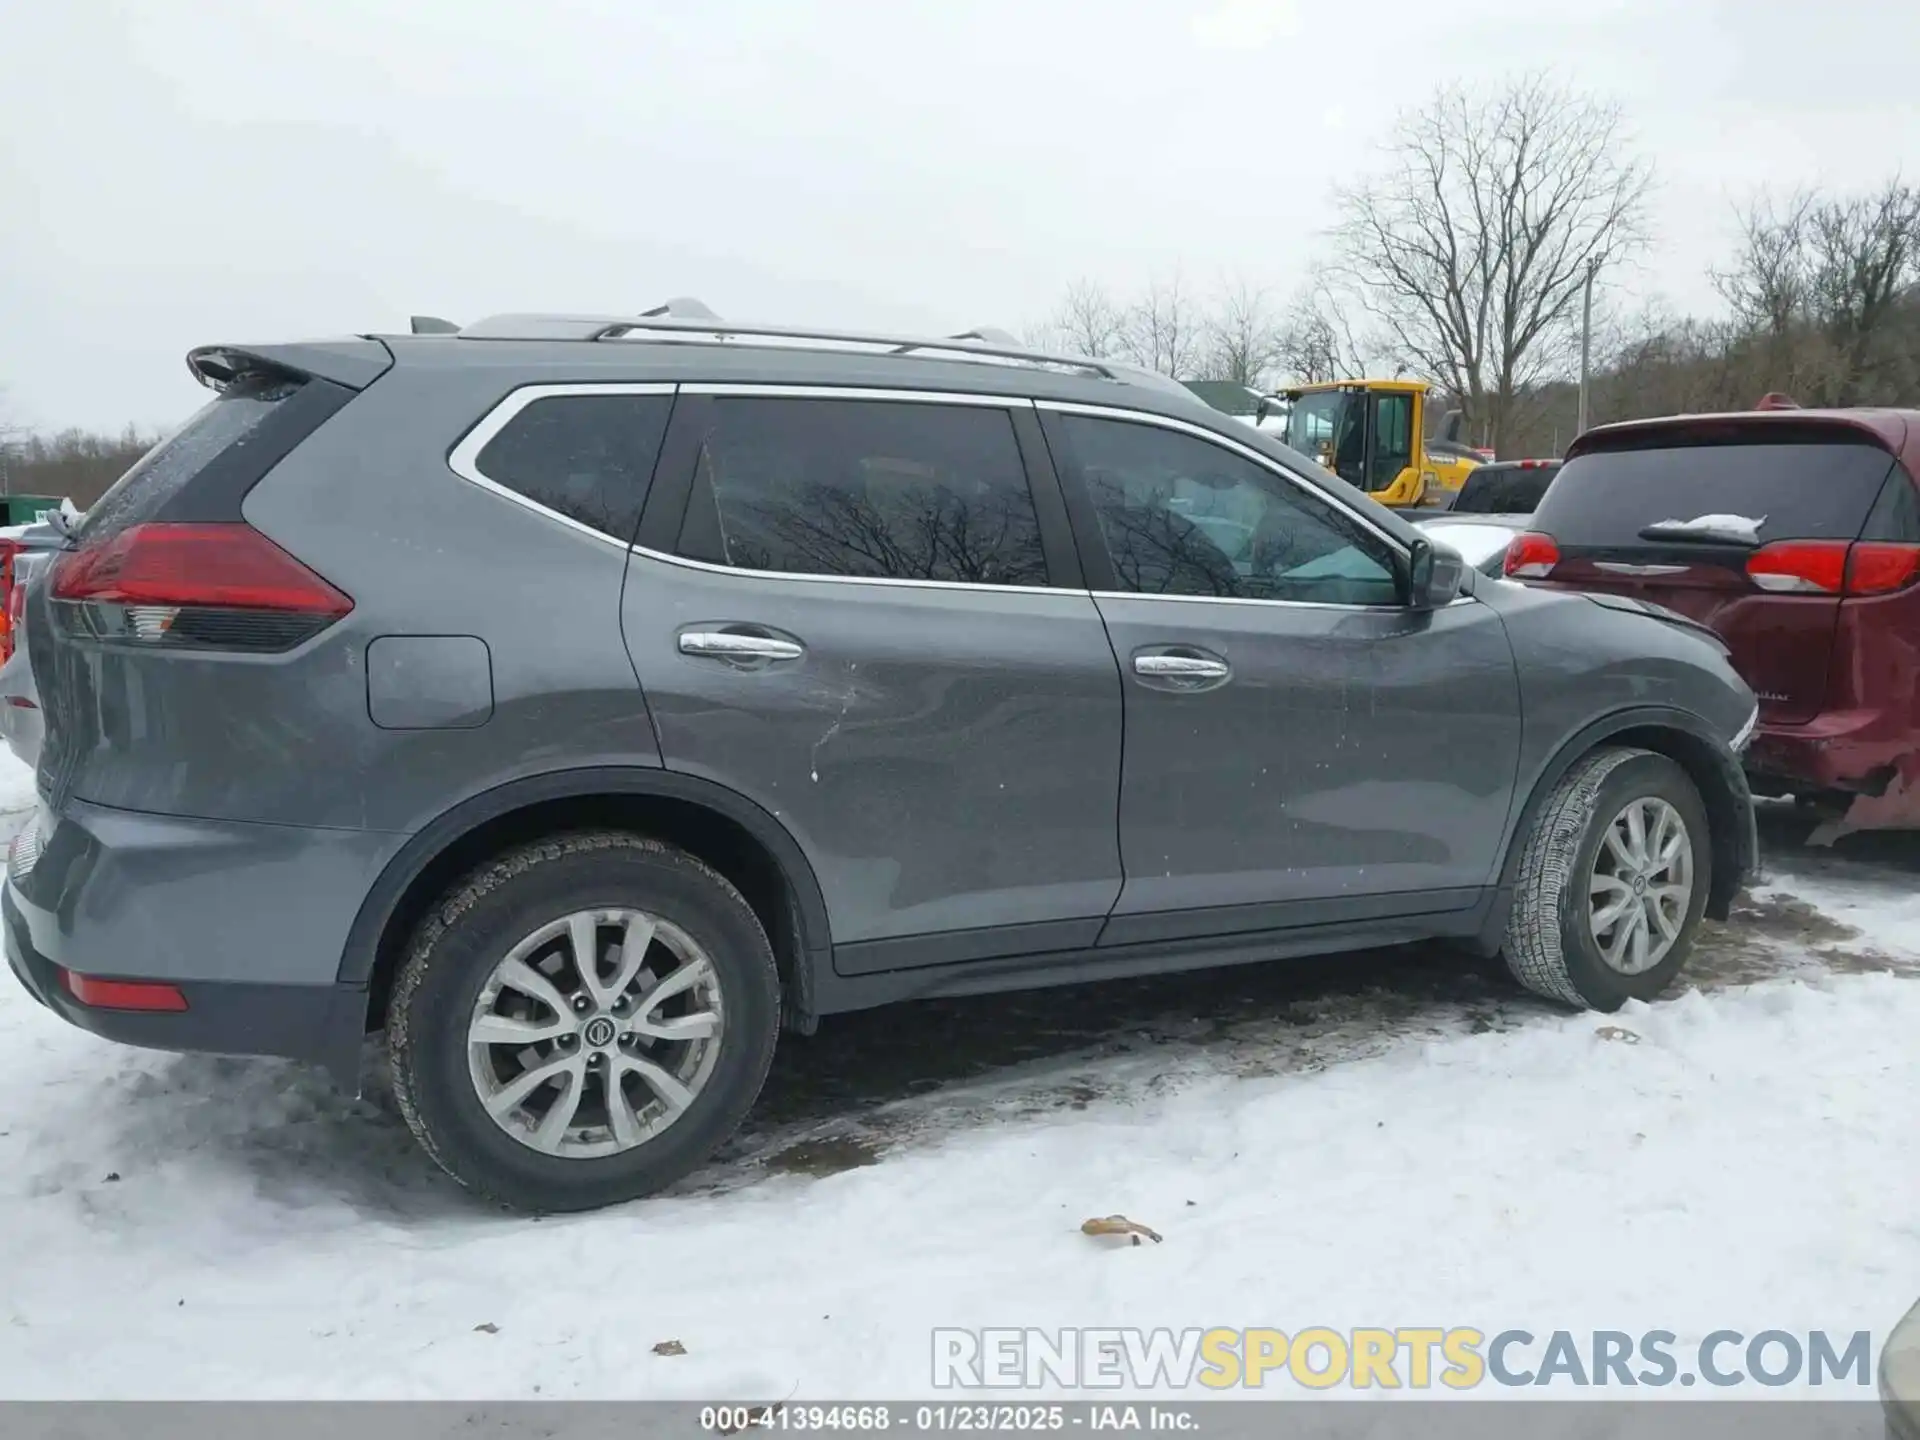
(1612, 882)
(583, 1021)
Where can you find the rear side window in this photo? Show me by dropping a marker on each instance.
(587, 457)
(1896, 514)
(222, 428)
(1812, 491)
(875, 489)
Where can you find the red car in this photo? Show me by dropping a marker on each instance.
(1795, 535)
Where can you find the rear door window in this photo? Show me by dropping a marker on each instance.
(587, 457)
(872, 489)
(1802, 491)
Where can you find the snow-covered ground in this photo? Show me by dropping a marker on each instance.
(1374, 1141)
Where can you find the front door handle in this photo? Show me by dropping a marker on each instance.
(1181, 668)
(739, 646)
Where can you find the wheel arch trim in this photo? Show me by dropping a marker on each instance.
(382, 901)
(1729, 805)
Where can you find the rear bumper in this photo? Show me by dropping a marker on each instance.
(1853, 750)
(247, 921)
(321, 1024)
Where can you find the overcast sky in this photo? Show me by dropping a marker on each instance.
(174, 172)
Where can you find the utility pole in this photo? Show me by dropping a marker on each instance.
(1586, 339)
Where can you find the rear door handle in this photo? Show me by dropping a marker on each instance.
(1181, 667)
(739, 646)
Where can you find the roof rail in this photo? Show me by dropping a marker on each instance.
(687, 317)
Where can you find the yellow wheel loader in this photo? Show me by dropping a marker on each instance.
(1372, 434)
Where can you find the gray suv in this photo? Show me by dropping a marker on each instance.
(582, 701)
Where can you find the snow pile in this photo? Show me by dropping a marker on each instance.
(1747, 1164)
(1741, 1158)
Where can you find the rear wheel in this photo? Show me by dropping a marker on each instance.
(1612, 882)
(583, 1022)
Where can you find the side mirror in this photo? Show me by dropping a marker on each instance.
(1435, 575)
(1263, 409)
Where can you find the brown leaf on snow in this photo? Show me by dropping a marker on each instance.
(1118, 1225)
(1617, 1032)
(669, 1347)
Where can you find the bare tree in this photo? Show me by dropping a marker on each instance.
(1816, 286)
(1242, 336)
(1088, 322)
(1164, 330)
(12, 436)
(1866, 256)
(1315, 340)
(1470, 249)
(1767, 285)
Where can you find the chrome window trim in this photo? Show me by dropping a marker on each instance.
(788, 390)
(464, 458)
(708, 567)
(1259, 600)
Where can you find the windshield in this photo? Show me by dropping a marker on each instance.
(1329, 425)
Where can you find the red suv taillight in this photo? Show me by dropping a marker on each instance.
(1879, 567)
(9, 609)
(1834, 567)
(220, 586)
(1531, 556)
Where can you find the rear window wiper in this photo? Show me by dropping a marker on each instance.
(1708, 530)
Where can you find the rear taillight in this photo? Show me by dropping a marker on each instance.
(1879, 567)
(1833, 567)
(1531, 556)
(221, 587)
(1800, 567)
(9, 608)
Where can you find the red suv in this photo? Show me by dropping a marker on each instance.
(1793, 534)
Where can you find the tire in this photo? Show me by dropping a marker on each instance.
(1550, 944)
(451, 979)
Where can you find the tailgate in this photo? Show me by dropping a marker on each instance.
(1757, 549)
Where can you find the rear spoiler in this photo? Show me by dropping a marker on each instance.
(355, 363)
(1883, 429)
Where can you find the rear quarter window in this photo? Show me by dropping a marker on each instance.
(1801, 491)
(587, 457)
